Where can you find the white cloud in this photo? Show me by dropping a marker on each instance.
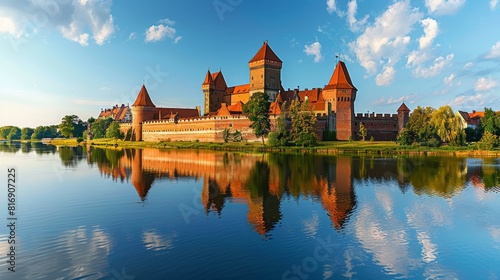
(354, 24)
(386, 40)
(315, 50)
(434, 69)
(468, 100)
(484, 84)
(443, 7)
(90, 14)
(132, 36)
(416, 58)
(159, 32)
(7, 25)
(468, 65)
(77, 20)
(431, 30)
(386, 77)
(177, 39)
(167, 21)
(494, 51)
(493, 4)
(331, 7)
(449, 80)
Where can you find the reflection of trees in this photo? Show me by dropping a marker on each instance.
(296, 173)
(107, 157)
(9, 147)
(25, 147)
(268, 209)
(70, 156)
(41, 149)
(443, 176)
(485, 173)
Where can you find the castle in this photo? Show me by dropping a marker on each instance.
(223, 105)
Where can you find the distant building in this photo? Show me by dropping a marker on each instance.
(118, 113)
(471, 120)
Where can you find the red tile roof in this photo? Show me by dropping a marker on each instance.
(208, 79)
(223, 111)
(117, 112)
(143, 98)
(265, 53)
(475, 114)
(312, 94)
(274, 108)
(340, 78)
(403, 108)
(236, 108)
(238, 89)
(219, 81)
(167, 113)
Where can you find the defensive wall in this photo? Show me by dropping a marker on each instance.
(383, 127)
(205, 129)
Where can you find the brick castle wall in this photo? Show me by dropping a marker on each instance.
(383, 127)
(205, 129)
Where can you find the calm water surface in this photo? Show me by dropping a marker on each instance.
(151, 214)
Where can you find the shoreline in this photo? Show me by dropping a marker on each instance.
(382, 148)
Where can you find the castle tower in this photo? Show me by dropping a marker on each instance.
(213, 88)
(143, 109)
(341, 93)
(265, 72)
(403, 116)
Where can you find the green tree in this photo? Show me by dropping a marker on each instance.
(113, 131)
(280, 136)
(405, 137)
(488, 141)
(257, 110)
(14, 133)
(26, 133)
(419, 125)
(67, 127)
(303, 131)
(41, 132)
(491, 121)
(448, 126)
(99, 127)
(362, 131)
(4, 131)
(71, 125)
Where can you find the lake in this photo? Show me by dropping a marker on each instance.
(92, 213)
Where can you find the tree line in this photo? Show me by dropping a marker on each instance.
(70, 126)
(435, 127)
(296, 125)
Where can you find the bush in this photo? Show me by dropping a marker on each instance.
(489, 141)
(405, 137)
(433, 142)
(372, 138)
(306, 139)
(272, 139)
(79, 139)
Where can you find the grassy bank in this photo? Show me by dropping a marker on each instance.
(330, 147)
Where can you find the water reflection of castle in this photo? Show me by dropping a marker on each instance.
(259, 181)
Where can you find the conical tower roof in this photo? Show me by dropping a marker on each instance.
(340, 78)
(208, 79)
(265, 53)
(143, 98)
(403, 108)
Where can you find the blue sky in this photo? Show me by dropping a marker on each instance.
(62, 57)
